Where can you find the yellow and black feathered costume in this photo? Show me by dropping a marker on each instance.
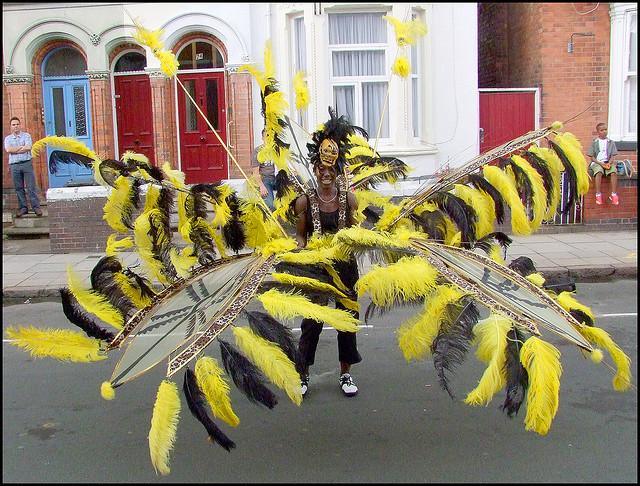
(187, 294)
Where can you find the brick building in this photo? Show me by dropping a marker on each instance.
(582, 59)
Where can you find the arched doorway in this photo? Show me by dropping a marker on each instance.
(65, 89)
(203, 158)
(134, 114)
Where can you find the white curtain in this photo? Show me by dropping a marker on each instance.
(360, 32)
(632, 79)
(373, 95)
(300, 59)
(343, 101)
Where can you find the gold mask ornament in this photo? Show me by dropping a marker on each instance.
(328, 152)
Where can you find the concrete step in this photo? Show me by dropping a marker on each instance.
(9, 216)
(37, 232)
(31, 221)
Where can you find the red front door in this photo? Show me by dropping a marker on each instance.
(203, 158)
(505, 115)
(134, 115)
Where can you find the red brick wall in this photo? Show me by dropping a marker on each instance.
(240, 135)
(164, 121)
(571, 84)
(76, 225)
(103, 136)
(493, 58)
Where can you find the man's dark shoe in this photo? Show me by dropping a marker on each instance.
(21, 213)
(38, 212)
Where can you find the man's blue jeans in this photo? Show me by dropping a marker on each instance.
(270, 183)
(24, 178)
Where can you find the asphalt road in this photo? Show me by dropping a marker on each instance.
(400, 428)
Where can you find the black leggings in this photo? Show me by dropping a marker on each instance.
(347, 345)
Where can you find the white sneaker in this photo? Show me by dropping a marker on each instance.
(347, 385)
(304, 385)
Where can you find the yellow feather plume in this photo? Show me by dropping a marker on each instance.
(599, 337)
(572, 148)
(406, 32)
(407, 279)
(271, 360)
(498, 179)
(65, 143)
(183, 261)
(490, 335)
(569, 303)
(290, 305)
(164, 425)
(168, 63)
(93, 302)
(60, 344)
(358, 151)
(536, 279)
(145, 247)
(539, 197)
(210, 378)
(130, 155)
(554, 164)
(307, 283)
(107, 391)
(542, 362)
(417, 333)
(482, 206)
(277, 246)
(495, 253)
(114, 246)
(360, 237)
(302, 91)
(132, 292)
(401, 67)
(176, 177)
(118, 202)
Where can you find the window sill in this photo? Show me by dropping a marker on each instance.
(404, 151)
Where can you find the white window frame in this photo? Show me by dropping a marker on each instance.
(301, 116)
(357, 81)
(416, 105)
(621, 14)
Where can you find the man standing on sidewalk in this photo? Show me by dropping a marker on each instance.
(18, 146)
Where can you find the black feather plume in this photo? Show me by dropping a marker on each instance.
(246, 376)
(76, 316)
(450, 346)
(111, 169)
(300, 270)
(541, 167)
(498, 237)
(517, 376)
(582, 317)
(433, 223)
(482, 184)
(64, 157)
(522, 265)
(463, 215)
(103, 282)
(233, 232)
(198, 405)
(572, 178)
(268, 328)
(523, 184)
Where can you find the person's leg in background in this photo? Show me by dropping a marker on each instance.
(18, 184)
(30, 184)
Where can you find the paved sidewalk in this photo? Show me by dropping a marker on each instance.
(29, 270)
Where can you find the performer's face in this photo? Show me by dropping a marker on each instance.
(326, 176)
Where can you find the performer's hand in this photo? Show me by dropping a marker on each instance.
(263, 190)
(606, 165)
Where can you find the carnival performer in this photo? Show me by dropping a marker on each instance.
(326, 210)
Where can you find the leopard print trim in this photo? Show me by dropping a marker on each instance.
(315, 211)
(226, 317)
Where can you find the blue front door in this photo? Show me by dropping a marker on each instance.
(66, 114)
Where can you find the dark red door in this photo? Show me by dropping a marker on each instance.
(134, 115)
(203, 158)
(505, 115)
